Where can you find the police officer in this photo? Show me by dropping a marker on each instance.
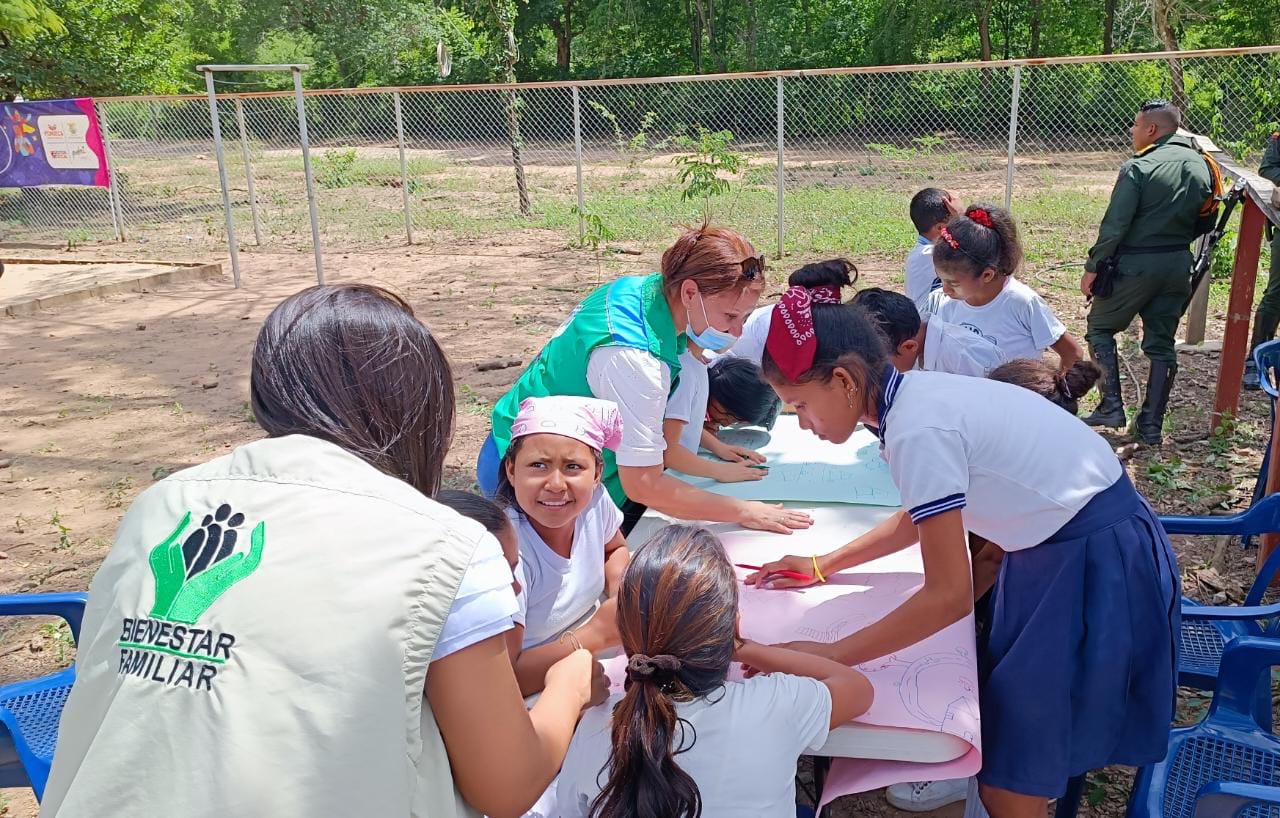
(1148, 227)
(1268, 315)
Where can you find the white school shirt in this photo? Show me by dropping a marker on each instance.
(639, 384)
(556, 593)
(689, 402)
(755, 331)
(921, 283)
(1017, 320)
(952, 348)
(1017, 465)
(741, 751)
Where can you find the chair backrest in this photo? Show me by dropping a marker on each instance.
(1246, 663)
(1267, 358)
(1262, 517)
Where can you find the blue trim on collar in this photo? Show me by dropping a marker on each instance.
(890, 381)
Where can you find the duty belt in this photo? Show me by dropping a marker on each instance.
(1126, 250)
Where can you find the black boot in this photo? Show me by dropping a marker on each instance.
(1159, 386)
(1110, 411)
(1264, 329)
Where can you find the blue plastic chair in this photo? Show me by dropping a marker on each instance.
(1227, 762)
(1266, 357)
(30, 710)
(1206, 628)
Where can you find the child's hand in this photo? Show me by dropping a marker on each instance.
(740, 472)
(743, 453)
(767, 576)
(576, 672)
(599, 685)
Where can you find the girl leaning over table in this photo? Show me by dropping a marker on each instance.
(1078, 659)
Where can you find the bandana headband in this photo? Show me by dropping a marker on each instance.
(792, 342)
(592, 421)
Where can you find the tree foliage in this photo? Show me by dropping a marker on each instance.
(99, 47)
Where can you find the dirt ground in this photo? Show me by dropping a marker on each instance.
(100, 399)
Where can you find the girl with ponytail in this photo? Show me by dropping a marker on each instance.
(683, 741)
(975, 256)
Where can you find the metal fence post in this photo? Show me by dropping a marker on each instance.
(248, 172)
(782, 231)
(233, 248)
(404, 169)
(577, 154)
(306, 170)
(113, 186)
(1013, 135)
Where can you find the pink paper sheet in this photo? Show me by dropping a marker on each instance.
(929, 686)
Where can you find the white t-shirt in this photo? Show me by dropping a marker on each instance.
(639, 384)
(484, 606)
(556, 593)
(1017, 320)
(689, 401)
(741, 751)
(1018, 465)
(954, 349)
(755, 331)
(921, 284)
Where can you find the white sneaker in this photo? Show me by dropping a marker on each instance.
(926, 796)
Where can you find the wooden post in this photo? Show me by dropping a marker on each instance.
(1235, 338)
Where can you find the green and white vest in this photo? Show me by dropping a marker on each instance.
(256, 644)
(631, 312)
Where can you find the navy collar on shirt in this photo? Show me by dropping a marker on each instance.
(890, 381)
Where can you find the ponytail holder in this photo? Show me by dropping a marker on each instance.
(659, 669)
(1061, 380)
(982, 217)
(950, 239)
(826, 294)
(792, 342)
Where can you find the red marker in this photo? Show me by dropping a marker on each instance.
(784, 574)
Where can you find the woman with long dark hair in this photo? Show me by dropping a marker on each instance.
(683, 741)
(259, 640)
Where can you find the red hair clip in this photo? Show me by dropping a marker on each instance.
(950, 239)
(982, 217)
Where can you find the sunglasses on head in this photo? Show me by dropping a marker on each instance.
(752, 267)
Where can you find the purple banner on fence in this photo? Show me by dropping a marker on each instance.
(52, 142)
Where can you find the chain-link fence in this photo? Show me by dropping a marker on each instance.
(817, 161)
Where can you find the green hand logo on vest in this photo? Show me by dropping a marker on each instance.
(190, 576)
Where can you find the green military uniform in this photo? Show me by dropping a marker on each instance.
(1149, 226)
(1268, 316)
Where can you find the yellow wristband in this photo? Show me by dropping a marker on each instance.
(817, 572)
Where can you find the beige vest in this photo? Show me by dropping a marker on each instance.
(256, 644)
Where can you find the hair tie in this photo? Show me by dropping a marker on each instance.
(658, 669)
(826, 294)
(792, 342)
(950, 239)
(982, 217)
(1061, 380)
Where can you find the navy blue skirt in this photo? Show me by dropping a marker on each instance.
(1079, 658)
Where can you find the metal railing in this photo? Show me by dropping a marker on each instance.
(825, 153)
